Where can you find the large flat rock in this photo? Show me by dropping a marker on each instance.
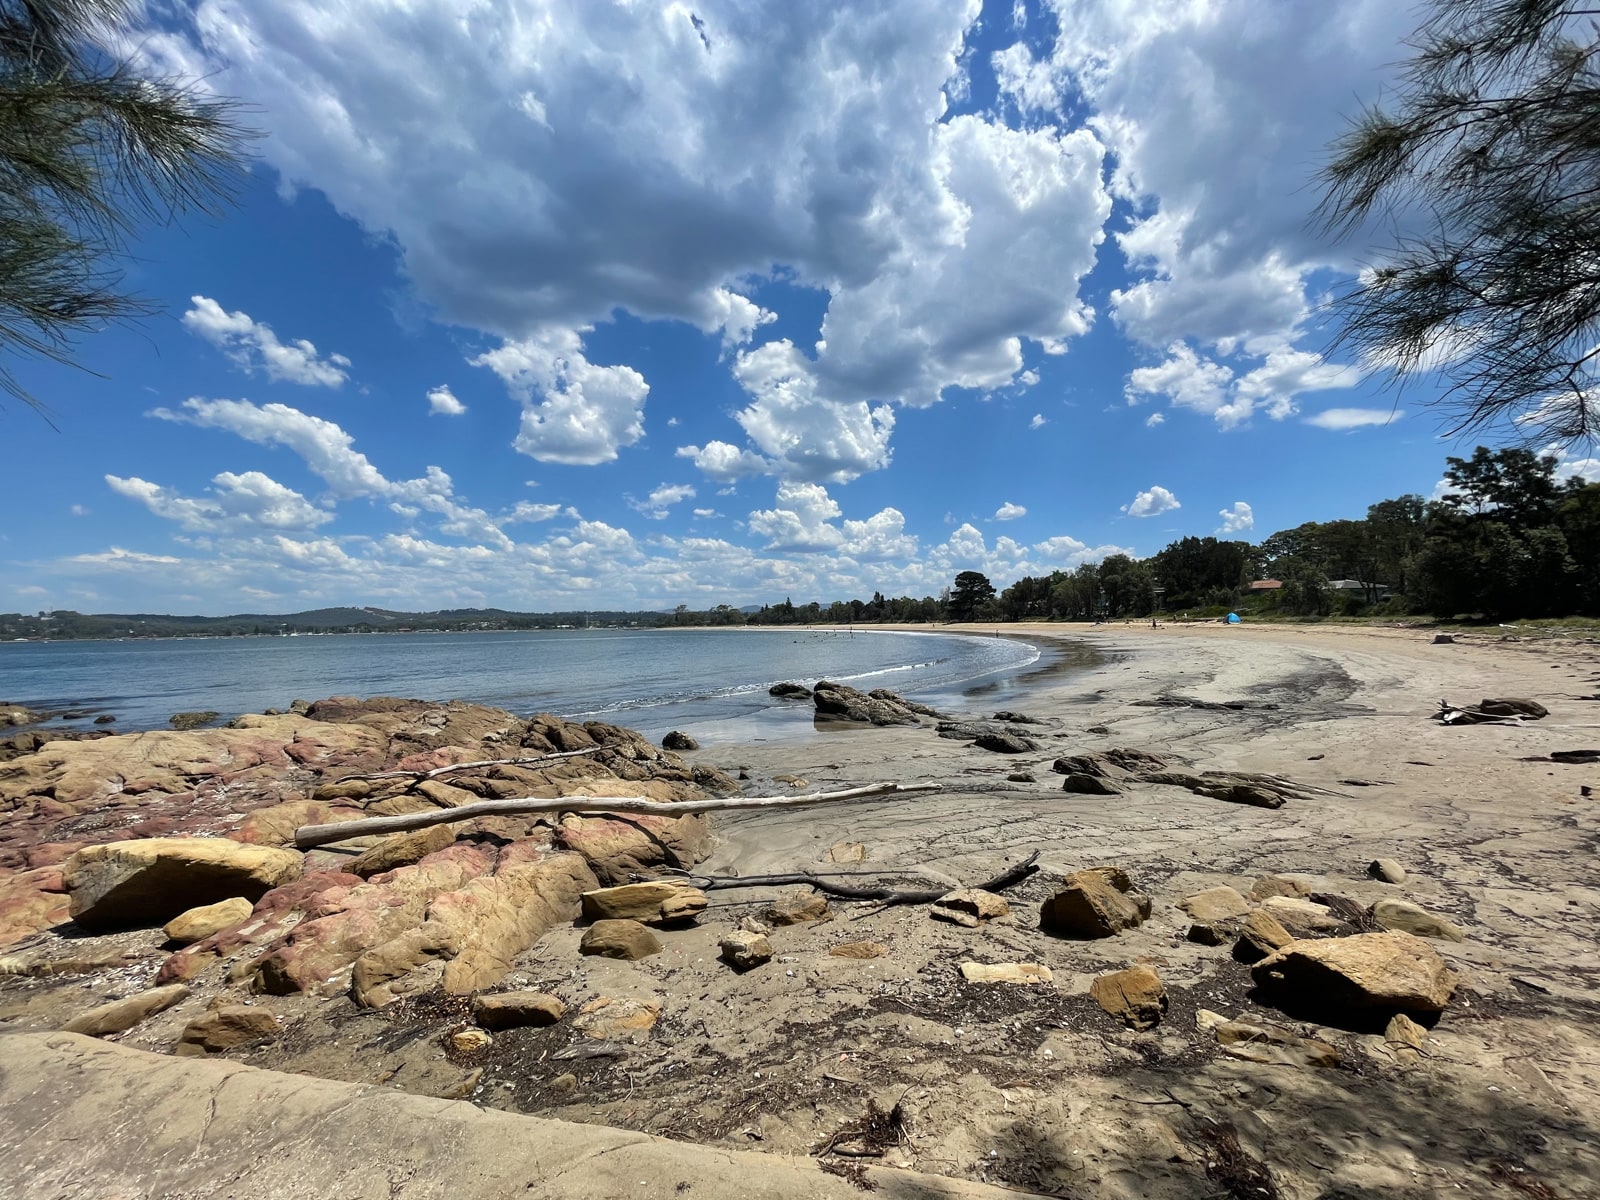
(83, 1120)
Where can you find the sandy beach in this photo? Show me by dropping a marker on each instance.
(1036, 1087)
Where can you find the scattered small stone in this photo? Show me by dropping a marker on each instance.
(562, 1086)
(1262, 1042)
(202, 922)
(797, 907)
(846, 852)
(124, 1014)
(1005, 973)
(1137, 995)
(970, 907)
(1098, 729)
(192, 720)
(678, 740)
(658, 901)
(1413, 918)
(790, 691)
(743, 951)
(1260, 934)
(105, 719)
(1021, 777)
(225, 1028)
(619, 939)
(513, 1010)
(1095, 903)
(606, 1019)
(1403, 1031)
(1305, 918)
(470, 1041)
(1215, 904)
(1016, 718)
(1213, 933)
(1278, 885)
(859, 950)
(751, 925)
(1387, 870)
(1443, 639)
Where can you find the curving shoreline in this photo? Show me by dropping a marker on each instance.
(1495, 845)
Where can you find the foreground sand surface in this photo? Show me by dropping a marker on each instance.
(1036, 1088)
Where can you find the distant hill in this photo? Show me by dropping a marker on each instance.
(67, 625)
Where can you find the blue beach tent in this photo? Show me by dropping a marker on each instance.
(1233, 618)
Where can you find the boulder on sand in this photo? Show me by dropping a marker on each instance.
(202, 922)
(227, 1027)
(619, 939)
(1406, 917)
(1137, 995)
(678, 740)
(655, 901)
(513, 1010)
(1363, 976)
(839, 702)
(152, 880)
(790, 691)
(1095, 903)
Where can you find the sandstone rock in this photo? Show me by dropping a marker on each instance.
(147, 882)
(513, 1010)
(1005, 973)
(124, 1014)
(1215, 904)
(470, 1041)
(612, 1020)
(1090, 785)
(1262, 1042)
(846, 852)
(1365, 973)
(1268, 886)
(859, 950)
(342, 789)
(563, 1086)
(1304, 918)
(386, 973)
(275, 824)
(1005, 743)
(192, 720)
(1095, 903)
(1406, 917)
(678, 740)
(31, 901)
(1387, 870)
(618, 850)
(1021, 777)
(1136, 995)
(225, 1028)
(969, 906)
(796, 907)
(742, 950)
(1403, 1031)
(401, 850)
(790, 691)
(206, 920)
(1213, 933)
(1260, 934)
(657, 901)
(444, 795)
(619, 939)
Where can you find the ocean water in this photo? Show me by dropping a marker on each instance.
(709, 682)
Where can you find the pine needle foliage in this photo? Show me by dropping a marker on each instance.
(1491, 146)
(90, 150)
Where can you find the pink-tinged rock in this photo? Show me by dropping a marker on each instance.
(151, 880)
(29, 902)
(275, 825)
(617, 850)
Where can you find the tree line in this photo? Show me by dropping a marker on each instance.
(1507, 538)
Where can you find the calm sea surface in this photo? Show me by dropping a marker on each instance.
(711, 682)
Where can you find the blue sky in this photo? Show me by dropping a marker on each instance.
(606, 305)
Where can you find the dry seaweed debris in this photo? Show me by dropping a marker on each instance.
(869, 1135)
(852, 1172)
(1228, 1165)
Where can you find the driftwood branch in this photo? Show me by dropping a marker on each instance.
(308, 836)
(889, 896)
(435, 772)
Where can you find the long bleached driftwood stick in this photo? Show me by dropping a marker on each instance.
(308, 836)
(435, 772)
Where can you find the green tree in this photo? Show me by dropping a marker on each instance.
(90, 148)
(1487, 166)
(970, 597)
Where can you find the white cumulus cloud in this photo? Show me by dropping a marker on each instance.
(1152, 503)
(442, 402)
(1237, 519)
(1352, 418)
(1009, 512)
(254, 346)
